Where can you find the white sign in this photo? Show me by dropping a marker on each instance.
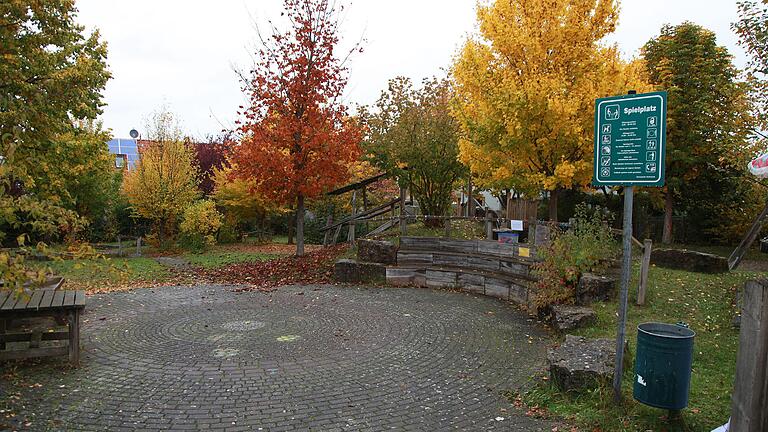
(516, 225)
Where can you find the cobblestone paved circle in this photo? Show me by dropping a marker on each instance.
(302, 358)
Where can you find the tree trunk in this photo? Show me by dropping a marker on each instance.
(300, 226)
(553, 204)
(666, 237)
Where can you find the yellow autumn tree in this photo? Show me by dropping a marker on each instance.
(525, 92)
(164, 182)
(238, 197)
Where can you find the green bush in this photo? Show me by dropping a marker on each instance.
(199, 225)
(588, 246)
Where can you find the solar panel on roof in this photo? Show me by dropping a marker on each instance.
(127, 147)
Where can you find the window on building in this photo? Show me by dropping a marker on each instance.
(121, 161)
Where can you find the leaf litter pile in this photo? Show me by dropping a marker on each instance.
(315, 267)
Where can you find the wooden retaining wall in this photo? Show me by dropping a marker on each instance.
(476, 266)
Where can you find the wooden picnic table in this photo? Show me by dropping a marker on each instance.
(62, 305)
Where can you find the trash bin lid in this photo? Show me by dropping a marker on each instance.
(663, 330)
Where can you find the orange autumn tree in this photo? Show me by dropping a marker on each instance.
(297, 138)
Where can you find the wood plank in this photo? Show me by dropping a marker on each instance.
(497, 288)
(441, 279)
(34, 352)
(34, 302)
(58, 299)
(80, 298)
(45, 302)
(26, 337)
(22, 302)
(418, 243)
(74, 337)
(496, 248)
(461, 246)
(3, 296)
(414, 258)
(515, 268)
(69, 298)
(472, 283)
(452, 260)
(483, 263)
(10, 302)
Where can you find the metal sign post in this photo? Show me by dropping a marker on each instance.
(630, 141)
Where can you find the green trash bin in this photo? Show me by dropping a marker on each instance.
(663, 365)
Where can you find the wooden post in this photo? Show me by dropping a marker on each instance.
(119, 246)
(488, 226)
(365, 207)
(647, 248)
(447, 227)
(353, 224)
(74, 337)
(470, 204)
(36, 338)
(328, 223)
(531, 230)
(403, 222)
(138, 246)
(336, 234)
(748, 413)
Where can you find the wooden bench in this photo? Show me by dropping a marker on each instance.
(63, 305)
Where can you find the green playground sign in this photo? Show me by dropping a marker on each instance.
(630, 139)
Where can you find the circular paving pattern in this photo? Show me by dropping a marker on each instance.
(302, 358)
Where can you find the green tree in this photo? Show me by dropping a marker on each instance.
(412, 135)
(709, 110)
(51, 78)
(163, 182)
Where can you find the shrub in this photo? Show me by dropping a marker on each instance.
(588, 246)
(199, 225)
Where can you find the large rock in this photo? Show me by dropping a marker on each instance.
(593, 288)
(581, 363)
(347, 270)
(566, 318)
(692, 261)
(376, 251)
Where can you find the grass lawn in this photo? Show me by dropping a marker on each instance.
(219, 257)
(94, 274)
(707, 304)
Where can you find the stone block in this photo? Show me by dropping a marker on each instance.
(347, 270)
(472, 283)
(376, 251)
(581, 363)
(593, 288)
(401, 276)
(566, 318)
(692, 261)
(441, 279)
(497, 288)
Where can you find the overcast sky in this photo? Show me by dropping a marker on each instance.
(181, 53)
